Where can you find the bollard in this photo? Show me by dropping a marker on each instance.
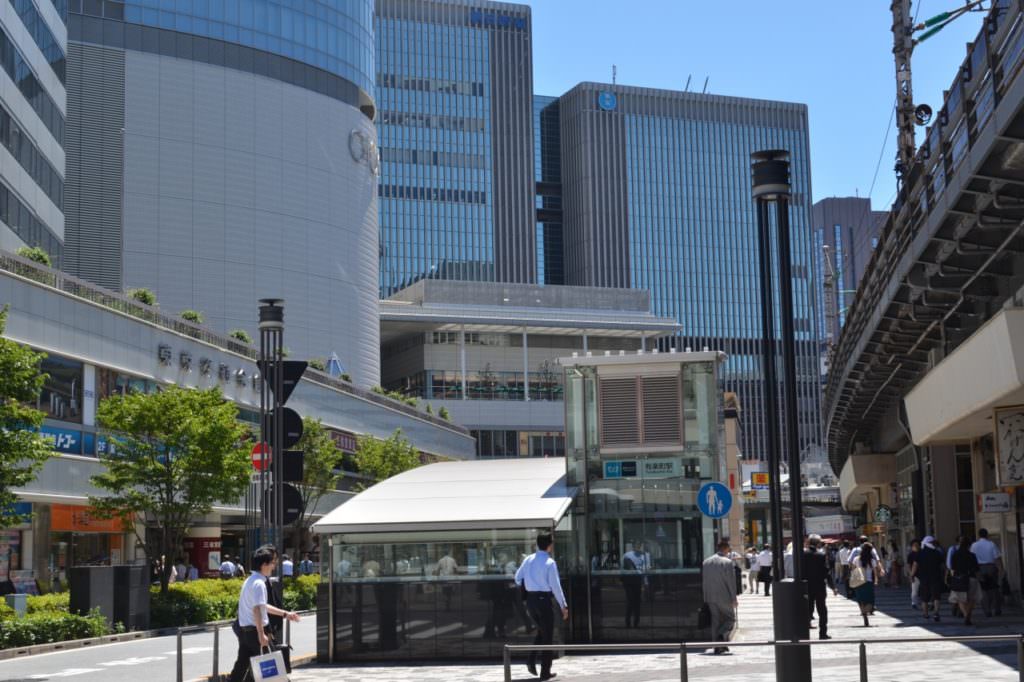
(181, 665)
(507, 656)
(684, 674)
(863, 662)
(1020, 658)
(216, 653)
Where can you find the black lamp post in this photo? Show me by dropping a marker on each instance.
(271, 419)
(770, 183)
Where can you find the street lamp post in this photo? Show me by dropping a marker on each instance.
(271, 419)
(770, 184)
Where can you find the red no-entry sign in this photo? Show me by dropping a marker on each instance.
(259, 460)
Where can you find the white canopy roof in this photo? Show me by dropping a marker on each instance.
(476, 494)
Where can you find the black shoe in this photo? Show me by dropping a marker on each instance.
(532, 667)
(548, 676)
(824, 637)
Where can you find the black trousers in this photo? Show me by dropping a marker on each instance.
(248, 646)
(816, 600)
(538, 605)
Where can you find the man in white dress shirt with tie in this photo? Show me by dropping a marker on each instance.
(539, 574)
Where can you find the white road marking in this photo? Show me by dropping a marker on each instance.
(67, 672)
(189, 650)
(138, 660)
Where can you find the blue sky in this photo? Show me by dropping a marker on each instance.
(833, 55)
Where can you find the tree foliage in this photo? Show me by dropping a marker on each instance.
(321, 470)
(240, 335)
(176, 453)
(381, 459)
(37, 254)
(22, 450)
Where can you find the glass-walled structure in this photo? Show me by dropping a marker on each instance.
(642, 436)
(423, 565)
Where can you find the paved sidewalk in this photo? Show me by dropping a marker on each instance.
(835, 663)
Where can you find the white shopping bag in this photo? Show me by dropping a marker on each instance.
(268, 667)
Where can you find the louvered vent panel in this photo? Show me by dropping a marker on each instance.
(94, 158)
(619, 416)
(661, 398)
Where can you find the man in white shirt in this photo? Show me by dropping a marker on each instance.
(287, 567)
(227, 569)
(764, 569)
(843, 560)
(539, 574)
(254, 613)
(990, 567)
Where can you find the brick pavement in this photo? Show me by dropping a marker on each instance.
(835, 663)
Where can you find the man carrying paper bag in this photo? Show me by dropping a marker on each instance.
(253, 618)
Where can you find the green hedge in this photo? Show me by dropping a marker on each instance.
(48, 603)
(6, 612)
(51, 626)
(202, 601)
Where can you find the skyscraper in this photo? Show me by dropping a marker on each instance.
(656, 195)
(547, 155)
(220, 152)
(454, 89)
(33, 48)
(850, 229)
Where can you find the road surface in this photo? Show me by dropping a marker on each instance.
(151, 660)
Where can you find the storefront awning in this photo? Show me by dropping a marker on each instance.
(954, 401)
(864, 474)
(471, 495)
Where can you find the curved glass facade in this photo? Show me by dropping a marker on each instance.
(334, 35)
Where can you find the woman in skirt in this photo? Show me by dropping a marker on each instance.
(865, 571)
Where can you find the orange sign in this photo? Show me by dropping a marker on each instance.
(65, 517)
(759, 480)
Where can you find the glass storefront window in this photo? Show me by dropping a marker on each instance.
(110, 382)
(444, 555)
(61, 397)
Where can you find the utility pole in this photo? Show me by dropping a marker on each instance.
(902, 48)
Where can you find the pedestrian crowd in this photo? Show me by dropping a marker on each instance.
(968, 574)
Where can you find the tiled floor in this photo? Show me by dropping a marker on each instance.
(919, 662)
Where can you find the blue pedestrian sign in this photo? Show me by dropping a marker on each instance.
(714, 500)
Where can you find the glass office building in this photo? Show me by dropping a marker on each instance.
(224, 151)
(454, 89)
(656, 195)
(547, 156)
(33, 111)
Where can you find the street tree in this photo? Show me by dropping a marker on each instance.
(175, 453)
(381, 459)
(22, 450)
(321, 471)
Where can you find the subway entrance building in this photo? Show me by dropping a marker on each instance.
(421, 566)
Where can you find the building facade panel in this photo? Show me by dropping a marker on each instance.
(656, 192)
(242, 165)
(32, 120)
(454, 84)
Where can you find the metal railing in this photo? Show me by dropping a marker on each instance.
(683, 647)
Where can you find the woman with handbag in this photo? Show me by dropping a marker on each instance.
(865, 571)
(963, 583)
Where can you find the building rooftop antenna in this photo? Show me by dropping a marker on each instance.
(615, 73)
(704, 91)
(688, 79)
